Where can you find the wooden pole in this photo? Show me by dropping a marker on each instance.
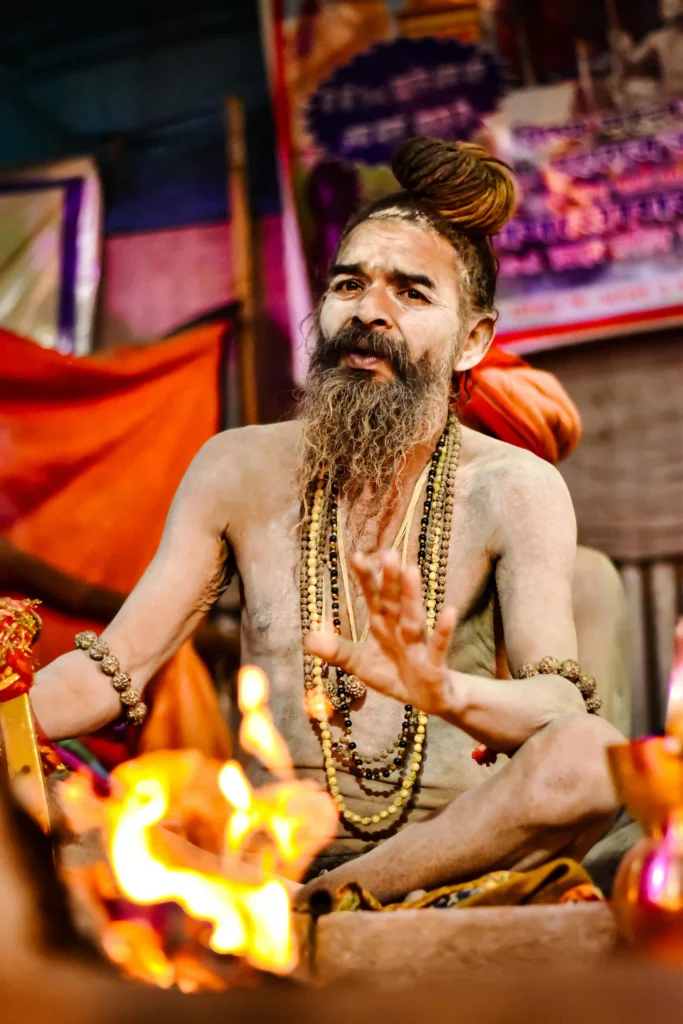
(241, 238)
(612, 15)
(585, 74)
(523, 47)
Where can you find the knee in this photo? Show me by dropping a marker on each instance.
(568, 782)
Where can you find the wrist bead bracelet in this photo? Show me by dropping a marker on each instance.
(570, 670)
(133, 707)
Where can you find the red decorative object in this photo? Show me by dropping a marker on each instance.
(484, 755)
(19, 626)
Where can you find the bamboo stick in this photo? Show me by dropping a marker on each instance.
(241, 237)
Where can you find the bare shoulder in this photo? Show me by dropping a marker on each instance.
(518, 490)
(239, 469)
(246, 452)
(506, 470)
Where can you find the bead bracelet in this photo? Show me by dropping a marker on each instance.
(133, 707)
(570, 670)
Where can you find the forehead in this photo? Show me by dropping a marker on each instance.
(384, 245)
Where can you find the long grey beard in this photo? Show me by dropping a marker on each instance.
(358, 430)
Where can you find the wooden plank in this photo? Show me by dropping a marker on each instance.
(632, 579)
(626, 475)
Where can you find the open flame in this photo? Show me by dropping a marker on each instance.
(258, 734)
(254, 846)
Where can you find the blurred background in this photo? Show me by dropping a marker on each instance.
(173, 180)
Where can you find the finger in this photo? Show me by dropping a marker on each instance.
(367, 580)
(336, 650)
(412, 623)
(385, 637)
(441, 635)
(389, 596)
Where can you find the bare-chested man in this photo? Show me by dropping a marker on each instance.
(660, 51)
(409, 303)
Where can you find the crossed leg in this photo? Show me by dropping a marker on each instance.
(554, 797)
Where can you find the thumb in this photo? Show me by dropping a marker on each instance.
(336, 650)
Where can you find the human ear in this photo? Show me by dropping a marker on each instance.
(477, 344)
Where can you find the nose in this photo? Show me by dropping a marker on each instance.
(373, 310)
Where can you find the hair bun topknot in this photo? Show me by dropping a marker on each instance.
(459, 180)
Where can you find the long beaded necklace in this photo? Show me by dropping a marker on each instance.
(325, 691)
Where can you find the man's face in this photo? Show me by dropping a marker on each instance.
(399, 280)
(670, 10)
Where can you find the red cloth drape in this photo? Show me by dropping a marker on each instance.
(521, 405)
(91, 453)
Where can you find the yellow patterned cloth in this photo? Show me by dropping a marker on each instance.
(559, 881)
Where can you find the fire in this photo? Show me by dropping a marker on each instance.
(258, 734)
(256, 845)
(147, 878)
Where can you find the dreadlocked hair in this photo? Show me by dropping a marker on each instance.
(460, 190)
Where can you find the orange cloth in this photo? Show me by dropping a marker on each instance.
(91, 453)
(523, 406)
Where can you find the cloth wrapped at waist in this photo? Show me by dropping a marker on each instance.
(559, 881)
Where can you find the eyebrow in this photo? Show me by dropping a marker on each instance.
(408, 277)
(352, 269)
(400, 277)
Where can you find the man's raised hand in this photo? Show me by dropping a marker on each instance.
(399, 658)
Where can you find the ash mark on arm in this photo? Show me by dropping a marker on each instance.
(262, 619)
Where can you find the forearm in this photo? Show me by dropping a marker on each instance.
(504, 714)
(72, 696)
(186, 576)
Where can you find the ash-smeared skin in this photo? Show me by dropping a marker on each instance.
(513, 542)
(261, 463)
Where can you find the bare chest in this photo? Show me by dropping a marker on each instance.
(268, 559)
(267, 552)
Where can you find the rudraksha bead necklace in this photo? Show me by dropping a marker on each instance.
(327, 690)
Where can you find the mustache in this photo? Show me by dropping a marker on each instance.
(359, 338)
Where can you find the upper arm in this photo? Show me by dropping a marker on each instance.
(646, 50)
(190, 569)
(535, 547)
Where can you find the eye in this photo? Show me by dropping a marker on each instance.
(415, 296)
(348, 285)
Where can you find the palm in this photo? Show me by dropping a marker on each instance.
(399, 658)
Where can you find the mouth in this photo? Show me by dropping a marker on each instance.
(361, 357)
(363, 353)
(360, 360)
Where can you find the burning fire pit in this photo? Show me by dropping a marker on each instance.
(198, 864)
(192, 881)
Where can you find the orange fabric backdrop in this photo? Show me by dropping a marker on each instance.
(91, 453)
(523, 406)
